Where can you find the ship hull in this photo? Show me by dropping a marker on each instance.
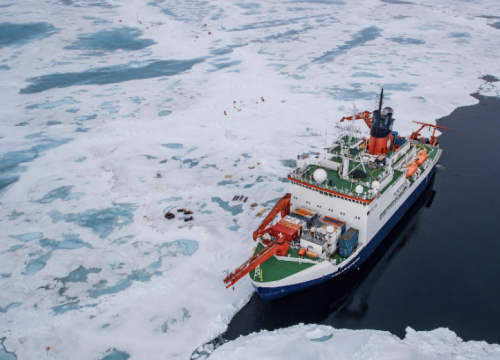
(268, 293)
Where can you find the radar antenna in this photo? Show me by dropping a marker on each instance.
(381, 99)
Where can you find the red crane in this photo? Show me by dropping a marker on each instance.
(365, 115)
(279, 248)
(433, 140)
(282, 206)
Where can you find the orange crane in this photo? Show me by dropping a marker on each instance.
(283, 206)
(433, 140)
(365, 115)
(279, 248)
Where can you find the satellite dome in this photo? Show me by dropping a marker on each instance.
(375, 185)
(330, 229)
(359, 189)
(387, 110)
(320, 176)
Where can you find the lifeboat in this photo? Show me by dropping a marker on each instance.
(421, 157)
(412, 168)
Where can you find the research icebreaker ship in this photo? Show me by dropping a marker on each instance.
(345, 204)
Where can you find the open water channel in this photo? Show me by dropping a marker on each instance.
(439, 266)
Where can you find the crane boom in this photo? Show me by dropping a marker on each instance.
(433, 140)
(365, 115)
(283, 206)
(277, 247)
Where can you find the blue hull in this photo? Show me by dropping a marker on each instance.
(268, 294)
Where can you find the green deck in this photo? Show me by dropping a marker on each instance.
(273, 269)
(372, 174)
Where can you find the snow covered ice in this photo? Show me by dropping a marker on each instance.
(99, 96)
(324, 342)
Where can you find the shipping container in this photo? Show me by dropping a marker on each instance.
(280, 231)
(307, 221)
(335, 222)
(346, 252)
(310, 246)
(308, 213)
(312, 254)
(349, 238)
(296, 221)
(290, 225)
(399, 141)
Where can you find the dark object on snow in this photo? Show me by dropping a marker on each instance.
(181, 210)
(187, 212)
(169, 215)
(188, 218)
(235, 197)
(245, 199)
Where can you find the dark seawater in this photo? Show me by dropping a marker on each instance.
(438, 267)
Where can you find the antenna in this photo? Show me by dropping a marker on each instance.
(381, 99)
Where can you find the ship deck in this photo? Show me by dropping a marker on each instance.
(348, 186)
(273, 269)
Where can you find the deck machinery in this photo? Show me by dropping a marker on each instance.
(346, 204)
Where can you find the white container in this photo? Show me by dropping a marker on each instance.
(309, 246)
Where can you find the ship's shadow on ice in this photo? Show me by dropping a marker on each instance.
(319, 303)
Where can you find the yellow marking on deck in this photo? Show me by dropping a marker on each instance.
(371, 174)
(423, 147)
(261, 274)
